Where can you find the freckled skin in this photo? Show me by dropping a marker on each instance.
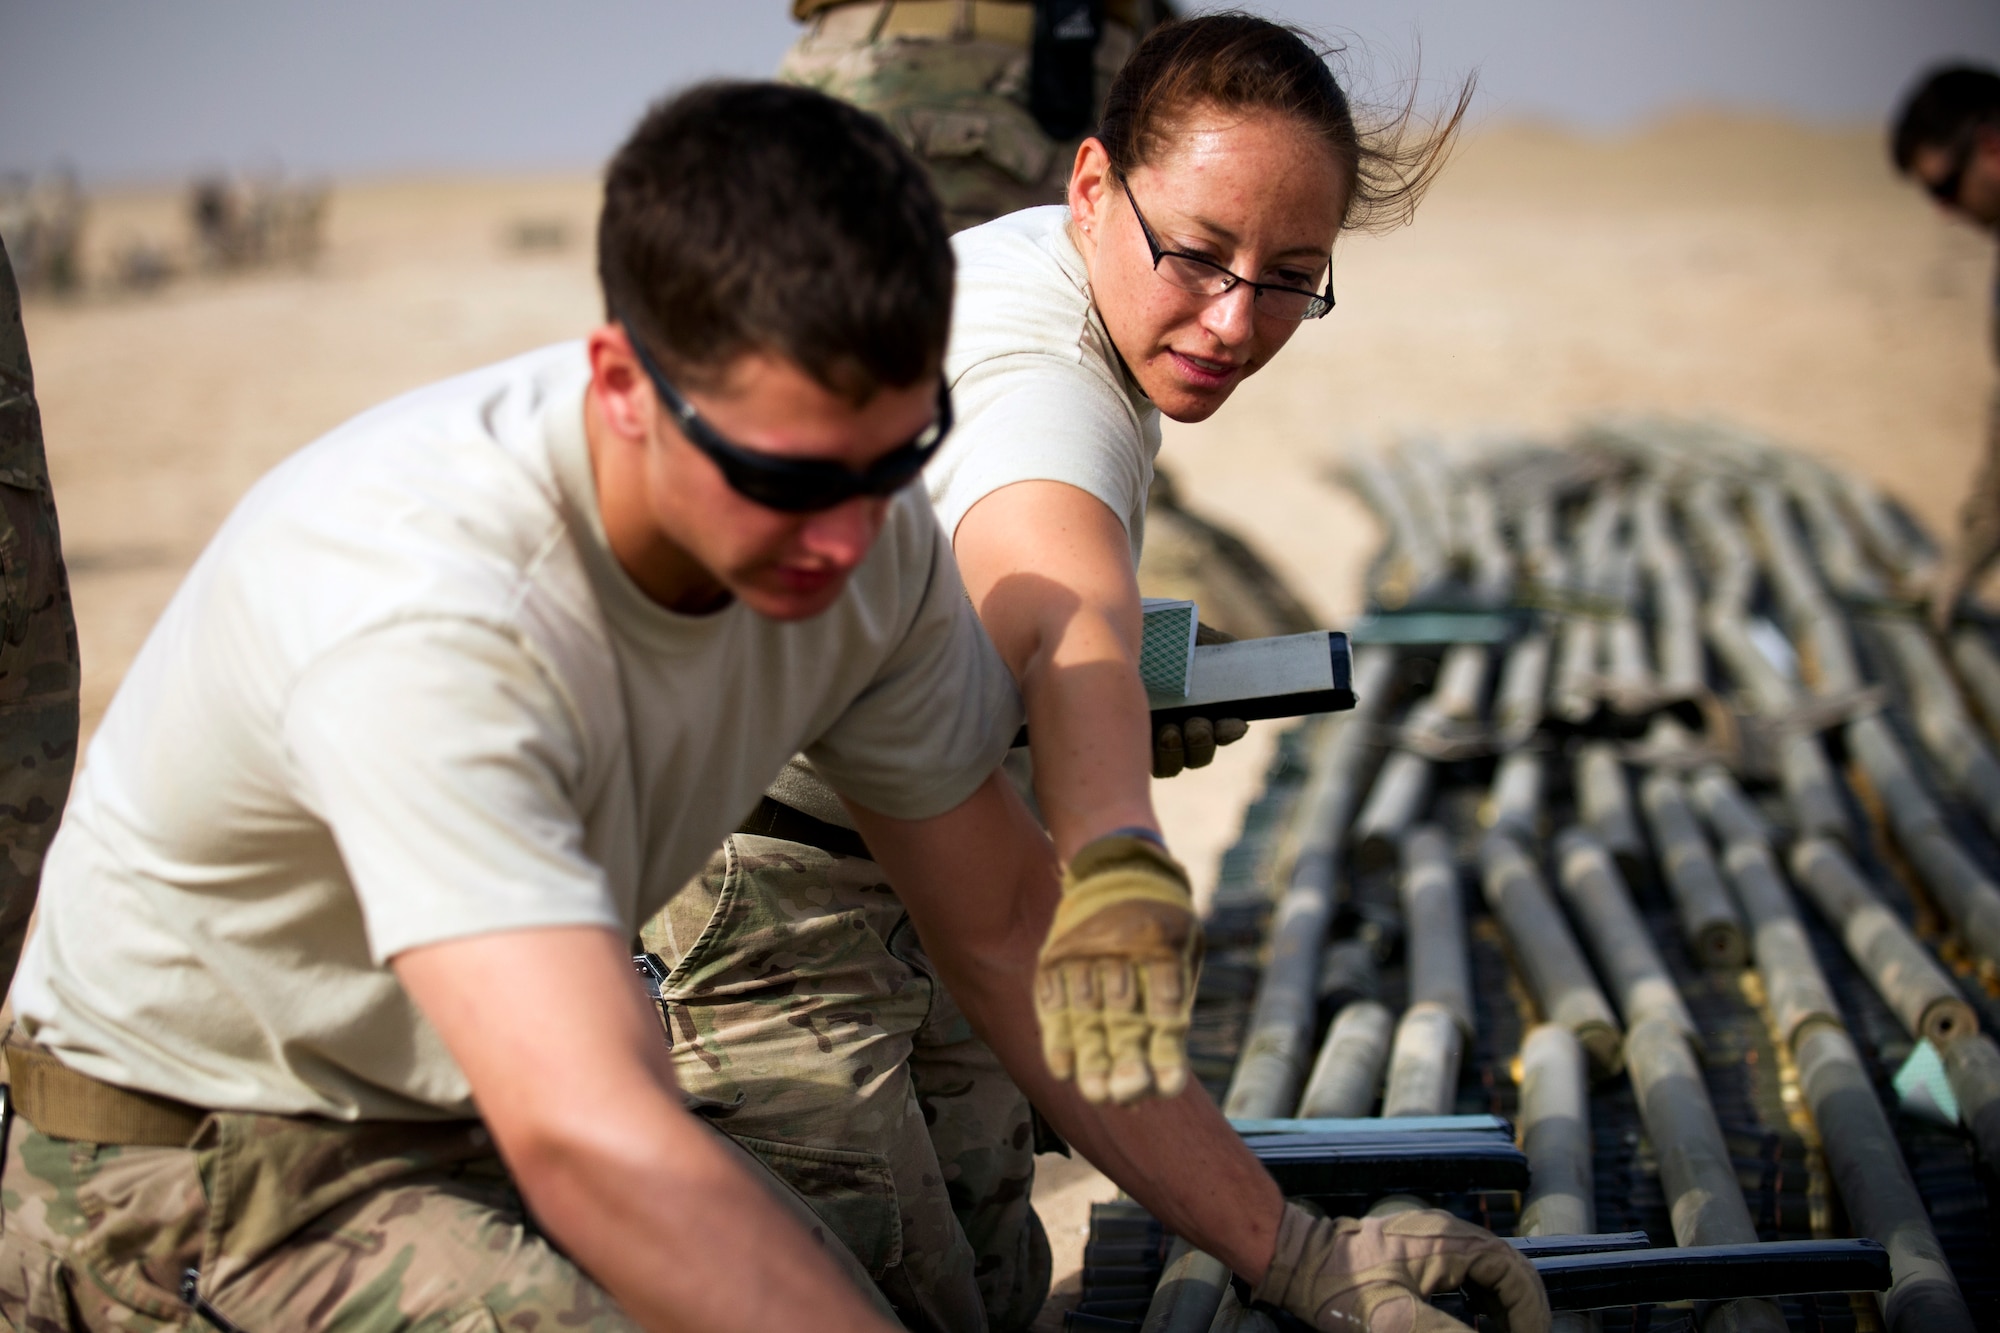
(1257, 194)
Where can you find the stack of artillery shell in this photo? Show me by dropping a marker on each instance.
(1482, 545)
(1919, 992)
(1574, 694)
(1601, 905)
(1427, 479)
(1964, 893)
(1972, 1064)
(1875, 1185)
(1607, 531)
(1606, 801)
(1555, 1135)
(1809, 781)
(1516, 803)
(1279, 1043)
(1708, 919)
(1517, 704)
(1546, 952)
(1703, 1197)
(1944, 725)
(1860, 1144)
(1403, 787)
(1979, 668)
(1431, 1035)
(1676, 605)
(1348, 1071)
(1414, 564)
(1794, 986)
(1515, 806)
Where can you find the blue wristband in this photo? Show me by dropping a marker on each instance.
(1139, 831)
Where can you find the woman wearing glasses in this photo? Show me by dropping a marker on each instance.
(1196, 239)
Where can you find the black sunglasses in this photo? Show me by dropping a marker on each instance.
(1205, 277)
(796, 485)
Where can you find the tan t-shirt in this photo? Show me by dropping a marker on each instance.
(407, 696)
(1038, 389)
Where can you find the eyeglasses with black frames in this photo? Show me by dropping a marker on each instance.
(1204, 277)
(796, 485)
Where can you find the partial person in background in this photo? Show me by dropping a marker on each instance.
(1196, 238)
(1946, 140)
(39, 671)
(991, 95)
(994, 96)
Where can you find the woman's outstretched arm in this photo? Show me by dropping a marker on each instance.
(1049, 569)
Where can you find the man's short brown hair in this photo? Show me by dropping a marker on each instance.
(744, 217)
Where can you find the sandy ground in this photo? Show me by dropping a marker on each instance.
(1774, 276)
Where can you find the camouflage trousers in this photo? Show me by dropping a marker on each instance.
(304, 1227)
(800, 996)
(958, 103)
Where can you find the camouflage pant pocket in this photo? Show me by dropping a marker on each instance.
(475, 1318)
(853, 1193)
(34, 1289)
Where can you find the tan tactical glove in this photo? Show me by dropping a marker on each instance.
(1116, 982)
(1191, 744)
(1370, 1275)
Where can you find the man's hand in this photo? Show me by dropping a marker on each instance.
(1115, 989)
(1371, 1275)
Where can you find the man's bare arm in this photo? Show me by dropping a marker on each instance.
(980, 884)
(573, 1077)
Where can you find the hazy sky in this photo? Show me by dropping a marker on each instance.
(128, 89)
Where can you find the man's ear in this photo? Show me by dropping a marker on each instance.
(618, 382)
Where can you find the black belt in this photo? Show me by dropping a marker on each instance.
(775, 819)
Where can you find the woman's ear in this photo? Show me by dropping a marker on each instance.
(1089, 191)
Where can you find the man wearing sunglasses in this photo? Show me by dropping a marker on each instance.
(1946, 140)
(330, 1021)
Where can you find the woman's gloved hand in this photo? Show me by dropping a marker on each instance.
(1371, 1275)
(1191, 743)
(1115, 988)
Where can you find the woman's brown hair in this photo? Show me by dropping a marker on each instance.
(1239, 62)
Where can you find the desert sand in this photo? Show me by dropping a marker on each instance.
(1770, 275)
